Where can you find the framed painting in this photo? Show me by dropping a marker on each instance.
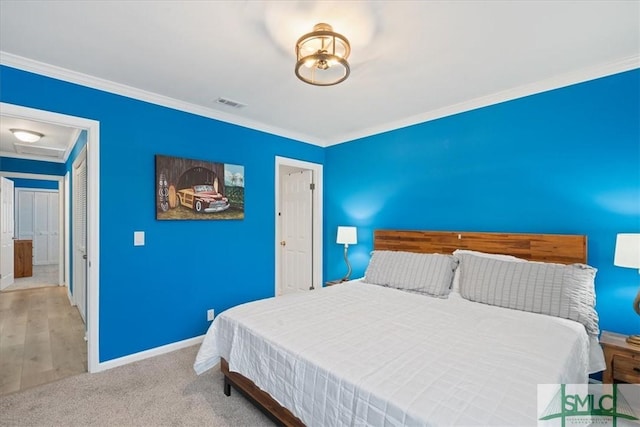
(198, 189)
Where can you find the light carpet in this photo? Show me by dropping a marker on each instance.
(160, 391)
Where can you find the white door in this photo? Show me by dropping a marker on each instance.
(53, 217)
(38, 220)
(296, 230)
(24, 213)
(45, 220)
(6, 233)
(79, 202)
(41, 228)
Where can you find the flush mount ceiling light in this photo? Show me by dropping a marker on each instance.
(26, 135)
(322, 56)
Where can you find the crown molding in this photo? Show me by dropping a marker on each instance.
(23, 175)
(556, 82)
(53, 71)
(35, 157)
(562, 80)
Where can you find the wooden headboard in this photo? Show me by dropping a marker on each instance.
(559, 248)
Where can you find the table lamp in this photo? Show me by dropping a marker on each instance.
(347, 236)
(628, 255)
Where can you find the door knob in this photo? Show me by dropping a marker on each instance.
(283, 243)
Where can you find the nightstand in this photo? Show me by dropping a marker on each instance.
(622, 359)
(334, 282)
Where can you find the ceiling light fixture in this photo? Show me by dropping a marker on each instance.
(26, 135)
(322, 56)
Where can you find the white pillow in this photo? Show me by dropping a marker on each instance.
(429, 274)
(559, 290)
(455, 287)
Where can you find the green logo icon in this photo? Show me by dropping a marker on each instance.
(596, 401)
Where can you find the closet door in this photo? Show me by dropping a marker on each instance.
(25, 214)
(79, 221)
(54, 235)
(38, 220)
(41, 228)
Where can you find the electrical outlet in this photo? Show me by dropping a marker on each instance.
(210, 314)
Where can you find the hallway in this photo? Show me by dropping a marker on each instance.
(41, 338)
(43, 275)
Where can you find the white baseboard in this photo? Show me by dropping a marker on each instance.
(103, 366)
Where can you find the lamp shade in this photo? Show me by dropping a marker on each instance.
(347, 235)
(627, 250)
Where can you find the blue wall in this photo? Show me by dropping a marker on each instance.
(564, 161)
(9, 164)
(75, 151)
(34, 183)
(159, 293)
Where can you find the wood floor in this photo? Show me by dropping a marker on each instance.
(41, 338)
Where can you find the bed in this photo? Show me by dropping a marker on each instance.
(381, 351)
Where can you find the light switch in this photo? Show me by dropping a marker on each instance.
(138, 238)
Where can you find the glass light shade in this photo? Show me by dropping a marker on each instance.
(347, 235)
(322, 57)
(627, 250)
(26, 135)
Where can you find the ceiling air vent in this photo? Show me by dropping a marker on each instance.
(39, 150)
(230, 103)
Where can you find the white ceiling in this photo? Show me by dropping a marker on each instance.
(411, 61)
(55, 145)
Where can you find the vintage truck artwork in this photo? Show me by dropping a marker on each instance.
(203, 198)
(198, 189)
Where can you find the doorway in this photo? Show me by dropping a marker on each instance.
(92, 215)
(38, 246)
(298, 190)
(57, 216)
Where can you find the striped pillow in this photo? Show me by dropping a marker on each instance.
(423, 273)
(559, 290)
(455, 286)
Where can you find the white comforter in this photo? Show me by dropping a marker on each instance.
(361, 354)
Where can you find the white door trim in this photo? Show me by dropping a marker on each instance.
(317, 217)
(93, 213)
